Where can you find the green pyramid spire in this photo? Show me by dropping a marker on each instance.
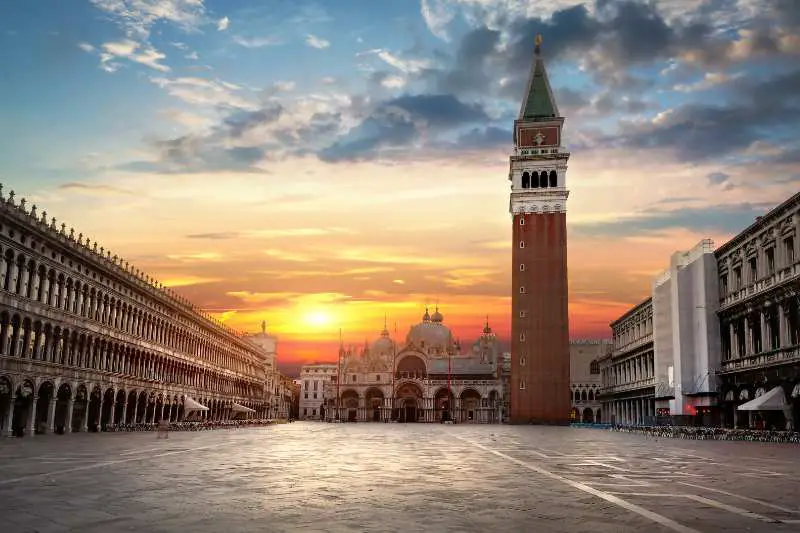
(538, 103)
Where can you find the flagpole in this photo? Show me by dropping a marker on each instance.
(339, 373)
(394, 370)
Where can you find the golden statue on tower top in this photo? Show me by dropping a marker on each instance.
(538, 41)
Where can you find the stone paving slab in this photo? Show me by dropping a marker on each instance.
(394, 477)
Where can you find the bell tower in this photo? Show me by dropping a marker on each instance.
(540, 392)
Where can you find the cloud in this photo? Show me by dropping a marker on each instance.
(223, 24)
(315, 42)
(143, 54)
(437, 15)
(727, 219)
(396, 123)
(256, 42)
(700, 131)
(94, 189)
(137, 17)
(204, 92)
(86, 47)
(720, 179)
(222, 235)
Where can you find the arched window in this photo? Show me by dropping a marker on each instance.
(526, 180)
(583, 396)
(553, 178)
(577, 396)
(591, 395)
(543, 179)
(535, 180)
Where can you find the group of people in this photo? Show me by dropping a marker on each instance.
(712, 433)
(204, 425)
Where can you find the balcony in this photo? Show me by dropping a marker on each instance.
(636, 343)
(778, 277)
(625, 387)
(781, 356)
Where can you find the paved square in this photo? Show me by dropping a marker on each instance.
(395, 477)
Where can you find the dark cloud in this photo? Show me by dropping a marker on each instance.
(198, 154)
(398, 122)
(720, 179)
(240, 123)
(701, 132)
(723, 218)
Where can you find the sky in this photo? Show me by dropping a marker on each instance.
(323, 165)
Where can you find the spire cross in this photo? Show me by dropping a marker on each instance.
(538, 49)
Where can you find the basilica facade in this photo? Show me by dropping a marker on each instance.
(428, 377)
(88, 341)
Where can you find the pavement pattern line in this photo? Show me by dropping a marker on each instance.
(641, 511)
(107, 463)
(745, 498)
(711, 503)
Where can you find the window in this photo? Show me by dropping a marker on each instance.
(737, 277)
(305, 411)
(378, 377)
(313, 412)
(753, 265)
(788, 250)
(354, 378)
(723, 282)
(522, 384)
(521, 337)
(315, 395)
(770, 254)
(594, 367)
(523, 314)
(305, 396)
(522, 361)
(522, 244)
(521, 221)
(522, 267)
(522, 290)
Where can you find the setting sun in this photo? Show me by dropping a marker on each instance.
(317, 318)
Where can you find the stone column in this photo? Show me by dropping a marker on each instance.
(51, 414)
(68, 422)
(748, 336)
(734, 344)
(782, 329)
(99, 419)
(85, 421)
(9, 417)
(12, 277)
(32, 416)
(765, 342)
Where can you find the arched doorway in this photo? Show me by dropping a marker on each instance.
(46, 396)
(374, 397)
(108, 408)
(80, 408)
(22, 408)
(130, 413)
(5, 404)
(409, 398)
(597, 418)
(119, 408)
(350, 405)
(444, 404)
(470, 405)
(588, 416)
(141, 408)
(62, 409)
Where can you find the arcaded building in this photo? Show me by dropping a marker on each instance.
(759, 314)
(585, 378)
(540, 367)
(627, 392)
(87, 340)
(428, 377)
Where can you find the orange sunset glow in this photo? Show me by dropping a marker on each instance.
(321, 173)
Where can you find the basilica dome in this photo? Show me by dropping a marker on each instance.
(431, 334)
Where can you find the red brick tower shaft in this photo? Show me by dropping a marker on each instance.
(540, 382)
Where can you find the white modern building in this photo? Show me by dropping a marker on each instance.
(313, 378)
(686, 334)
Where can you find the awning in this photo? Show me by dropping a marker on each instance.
(191, 405)
(236, 408)
(774, 400)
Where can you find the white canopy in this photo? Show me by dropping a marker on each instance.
(236, 408)
(191, 405)
(774, 400)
